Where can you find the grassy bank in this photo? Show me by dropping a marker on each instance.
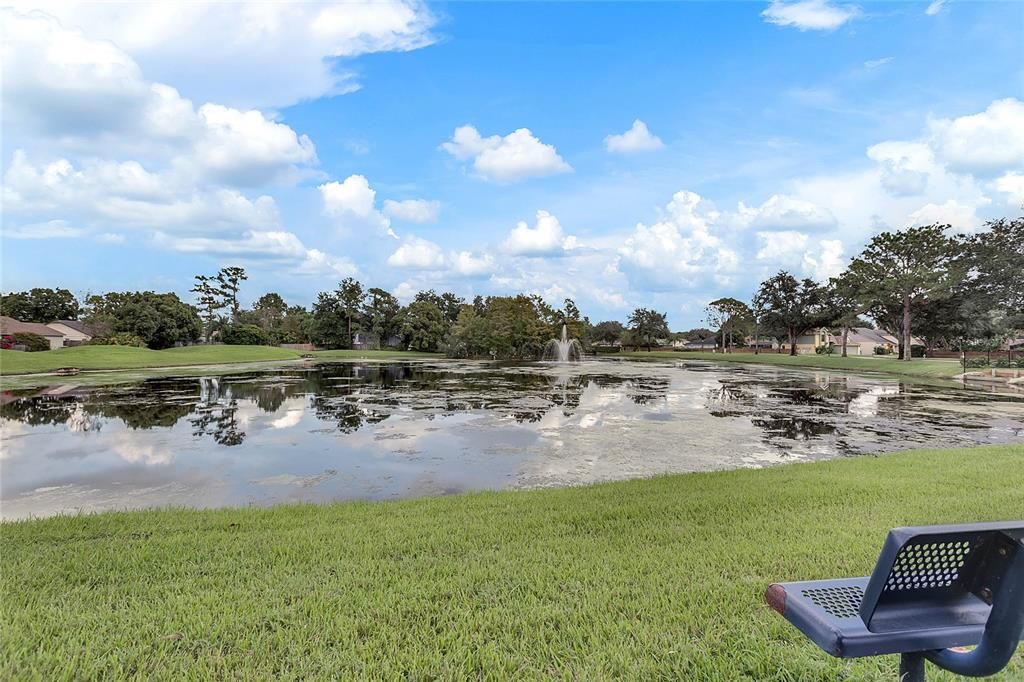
(652, 579)
(126, 357)
(98, 358)
(918, 367)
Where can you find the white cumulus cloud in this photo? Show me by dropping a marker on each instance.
(545, 238)
(809, 15)
(678, 252)
(990, 141)
(249, 53)
(637, 139)
(413, 210)
(352, 203)
(416, 253)
(512, 158)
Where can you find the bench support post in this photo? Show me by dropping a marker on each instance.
(912, 667)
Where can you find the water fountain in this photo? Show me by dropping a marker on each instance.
(564, 349)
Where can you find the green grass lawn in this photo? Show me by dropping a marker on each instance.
(918, 367)
(651, 579)
(127, 357)
(124, 357)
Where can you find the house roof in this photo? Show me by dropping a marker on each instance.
(9, 325)
(861, 335)
(77, 325)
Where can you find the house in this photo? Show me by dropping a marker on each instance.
(694, 344)
(807, 344)
(10, 326)
(368, 341)
(859, 341)
(75, 332)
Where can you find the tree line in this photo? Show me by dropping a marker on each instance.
(952, 291)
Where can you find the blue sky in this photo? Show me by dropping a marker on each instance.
(625, 155)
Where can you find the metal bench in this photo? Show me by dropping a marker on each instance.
(934, 590)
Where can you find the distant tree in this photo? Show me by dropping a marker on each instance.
(996, 260)
(423, 326)
(844, 306)
(448, 303)
(382, 314)
(296, 325)
(245, 335)
(329, 322)
(608, 332)
(229, 280)
(698, 334)
(792, 306)
(40, 305)
(269, 311)
(210, 300)
(161, 320)
(648, 325)
(726, 315)
(908, 268)
(351, 296)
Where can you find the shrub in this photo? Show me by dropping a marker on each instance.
(881, 350)
(123, 339)
(32, 342)
(825, 349)
(244, 335)
(976, 363)
(917, 351)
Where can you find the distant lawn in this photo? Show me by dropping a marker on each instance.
(919, 367)
(125, 357)
(641, 580)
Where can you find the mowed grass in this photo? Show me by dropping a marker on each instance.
(92, 358)
(918, 367)
(127, 357)
(649, 579)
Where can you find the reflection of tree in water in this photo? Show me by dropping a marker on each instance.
(792, 428)
(144, 406)
(349, 416)
(215, 414)
(727, 399)
(218, 421)
(40, 410)
(646, 390)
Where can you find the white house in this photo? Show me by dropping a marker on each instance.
(73, 331)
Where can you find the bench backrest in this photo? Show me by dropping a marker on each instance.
(939, 576)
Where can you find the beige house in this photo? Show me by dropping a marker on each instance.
(859, 341)
(10, 326)
(74, 332)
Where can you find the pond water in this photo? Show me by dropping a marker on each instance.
(313, 433)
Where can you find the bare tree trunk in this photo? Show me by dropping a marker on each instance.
(792, 342)
(906, 327)
(757, 341)
(846, 334)
(725, 349)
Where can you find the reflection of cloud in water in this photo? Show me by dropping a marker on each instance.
(865, 405)
(131, 447)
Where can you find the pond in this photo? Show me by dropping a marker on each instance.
(338, 431)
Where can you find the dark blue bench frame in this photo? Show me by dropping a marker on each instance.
(933, 589)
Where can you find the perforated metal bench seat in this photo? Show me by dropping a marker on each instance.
(934, 589)
(828, 612)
